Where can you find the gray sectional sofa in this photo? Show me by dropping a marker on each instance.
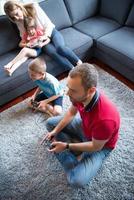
(92, 28)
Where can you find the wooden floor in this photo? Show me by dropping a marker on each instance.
(102, 65)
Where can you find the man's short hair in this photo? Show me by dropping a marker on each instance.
(37, 65)
(87, 73)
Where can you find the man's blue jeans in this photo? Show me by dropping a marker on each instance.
(79, 173)
(57, 50)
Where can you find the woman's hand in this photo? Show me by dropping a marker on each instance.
(45, 42)
(57, 147)
(43, 38)
(22, 44)
(29, 45)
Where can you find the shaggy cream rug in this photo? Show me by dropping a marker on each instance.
(29, 172)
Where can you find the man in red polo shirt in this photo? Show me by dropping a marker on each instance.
(88, 132)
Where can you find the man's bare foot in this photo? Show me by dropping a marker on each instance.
(79, 62)
(79, 157)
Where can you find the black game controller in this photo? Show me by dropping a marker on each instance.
(35, 104)
(49, 144)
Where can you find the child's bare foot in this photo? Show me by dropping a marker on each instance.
(49, 113)
(8, 68)
(46, 111)
(8, 72)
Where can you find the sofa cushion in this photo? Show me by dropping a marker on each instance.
(79, 42)
(81, 9)
(97, 26)
(9, 38)
(115, 9)
(123, 69)
(57, 12)
(130, 19)
(120, 45)
(19, 77)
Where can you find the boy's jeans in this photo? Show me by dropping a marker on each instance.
(80, 172)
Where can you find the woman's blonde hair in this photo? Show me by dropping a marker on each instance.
(28, 9)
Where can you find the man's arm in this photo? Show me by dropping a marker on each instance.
(66, 120)
(101, 134)
(94, 145)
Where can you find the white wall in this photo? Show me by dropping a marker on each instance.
(3, 1)
(1, 6)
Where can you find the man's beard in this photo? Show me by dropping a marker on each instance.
(80, 100)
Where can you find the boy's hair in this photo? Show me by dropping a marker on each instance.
(87, 73)
(29, 22)
(38, 65)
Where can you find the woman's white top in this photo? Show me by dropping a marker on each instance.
(42, 20)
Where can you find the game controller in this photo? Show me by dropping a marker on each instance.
(50, 146)
(35, 104)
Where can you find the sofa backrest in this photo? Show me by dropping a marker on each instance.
(57, 12)
(9, 38)
(130, 19)
(115, 9)
(81, 9)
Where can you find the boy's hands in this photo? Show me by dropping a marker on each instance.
(34, 104)
(42, 104)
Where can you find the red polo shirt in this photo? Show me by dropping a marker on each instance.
(100, 120)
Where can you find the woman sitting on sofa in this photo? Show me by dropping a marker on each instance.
(56, 49)
(32, 42)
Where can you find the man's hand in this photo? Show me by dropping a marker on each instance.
(57, 147)
(49, 136)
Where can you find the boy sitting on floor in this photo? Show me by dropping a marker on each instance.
(49, 94)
